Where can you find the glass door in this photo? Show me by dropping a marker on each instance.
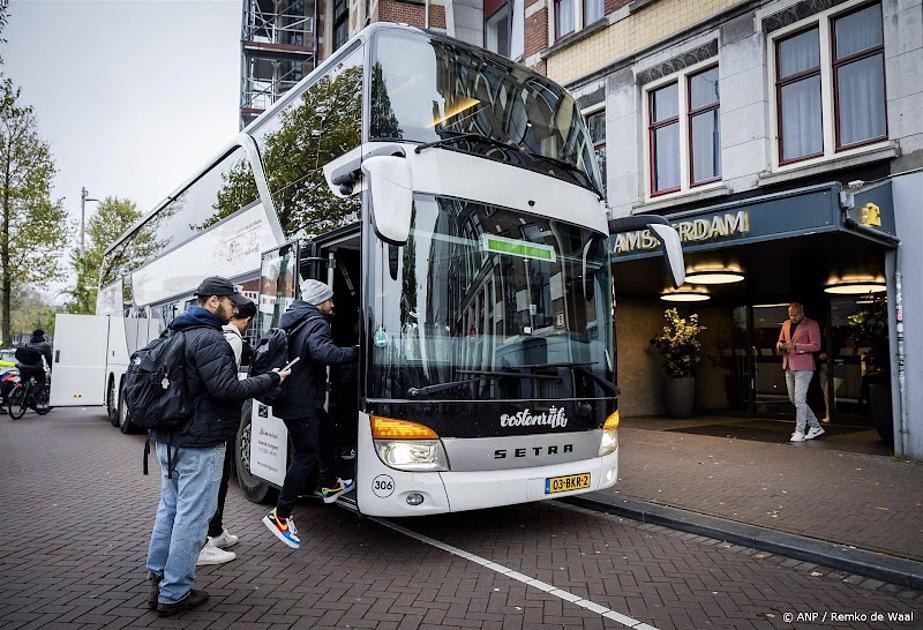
(278, 282)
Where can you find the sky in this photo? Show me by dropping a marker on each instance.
(134, 96)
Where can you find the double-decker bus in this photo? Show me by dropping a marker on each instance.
(453, 201)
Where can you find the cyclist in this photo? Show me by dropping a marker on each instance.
(32, 358)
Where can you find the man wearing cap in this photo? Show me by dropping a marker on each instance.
(189, 496)
(219, 539)
(302, 408)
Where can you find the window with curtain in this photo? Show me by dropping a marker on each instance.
(830, 84)
(859, 77)
(565, 21)
(704, 128)
(798, 96)
(663, 113)
(593, 10)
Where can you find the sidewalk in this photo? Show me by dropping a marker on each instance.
(873, 502)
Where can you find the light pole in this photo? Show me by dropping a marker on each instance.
(83, 203)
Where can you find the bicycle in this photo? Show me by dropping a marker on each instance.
(29, 394)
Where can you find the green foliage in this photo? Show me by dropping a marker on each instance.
(869, 328)
(113, 217)
(678, 343)
(31, 310)
(34, 227)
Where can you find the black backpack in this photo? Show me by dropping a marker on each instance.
(30, 356)
(155, 389)
(272, 352)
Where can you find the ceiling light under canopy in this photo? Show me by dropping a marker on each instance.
(685, 293)
(714, 274)
(856, 285)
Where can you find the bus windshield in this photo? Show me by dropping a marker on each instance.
(427, 90)
(484, 303)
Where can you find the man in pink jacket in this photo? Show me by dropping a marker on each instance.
(799, 339)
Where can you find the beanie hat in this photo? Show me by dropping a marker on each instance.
(315, 292)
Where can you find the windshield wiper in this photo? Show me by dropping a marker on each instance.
(469, 136)
(417, 392)
(582, 368)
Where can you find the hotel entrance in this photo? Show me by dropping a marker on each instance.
(745, 263)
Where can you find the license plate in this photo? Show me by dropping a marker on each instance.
(566, 483)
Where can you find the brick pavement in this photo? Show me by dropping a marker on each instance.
(78, 515)
(868, 501)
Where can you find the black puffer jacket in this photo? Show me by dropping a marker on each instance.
(305, 389)
(211, 375)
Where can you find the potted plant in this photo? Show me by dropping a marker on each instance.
(678, 343)
(869, 328)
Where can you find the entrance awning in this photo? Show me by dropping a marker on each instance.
(784, 244)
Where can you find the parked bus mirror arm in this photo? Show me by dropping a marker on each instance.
(343, 172)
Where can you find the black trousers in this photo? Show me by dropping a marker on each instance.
(312, 441)
(216, 526)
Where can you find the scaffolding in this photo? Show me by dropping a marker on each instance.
(278, 49)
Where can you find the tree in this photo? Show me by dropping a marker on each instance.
(31, 310)
(34, 227)
(113, 217)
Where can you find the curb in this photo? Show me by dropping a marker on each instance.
(864, 562)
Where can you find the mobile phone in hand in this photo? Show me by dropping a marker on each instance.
(290, 364)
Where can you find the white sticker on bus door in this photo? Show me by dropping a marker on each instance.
(268, 445)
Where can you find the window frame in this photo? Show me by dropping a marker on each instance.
(553, 23)
(781, 83)
(505, 7)
(831, 148)
(685, 131)
(692, 113)
(652, 129)
(836, 64)
(586, 113)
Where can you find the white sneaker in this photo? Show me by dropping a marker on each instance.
(814, 432)
(797, 436)
(213, 555)
(224, 541)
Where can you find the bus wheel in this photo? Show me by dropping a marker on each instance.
(125, 424)
(112, 405)
(254, 488)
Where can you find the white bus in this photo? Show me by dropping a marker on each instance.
(452, 199)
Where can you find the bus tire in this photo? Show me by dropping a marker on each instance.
(112, 403)
(125, 424)
(254, 488)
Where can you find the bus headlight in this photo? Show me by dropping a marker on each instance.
(406, 445)
(610, 440)
(424, 455)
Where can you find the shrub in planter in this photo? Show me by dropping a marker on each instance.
(679, 345)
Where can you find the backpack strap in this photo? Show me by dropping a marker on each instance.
(171, 455)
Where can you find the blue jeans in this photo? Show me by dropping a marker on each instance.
(798, 383)
(187, 502)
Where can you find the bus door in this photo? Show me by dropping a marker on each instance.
(338, 267)
(78, 367)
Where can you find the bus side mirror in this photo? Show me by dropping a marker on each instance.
(670, 244)
(391, 188)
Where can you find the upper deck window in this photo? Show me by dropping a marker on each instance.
(425, 90)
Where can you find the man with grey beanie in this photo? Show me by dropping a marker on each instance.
(302, 406)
